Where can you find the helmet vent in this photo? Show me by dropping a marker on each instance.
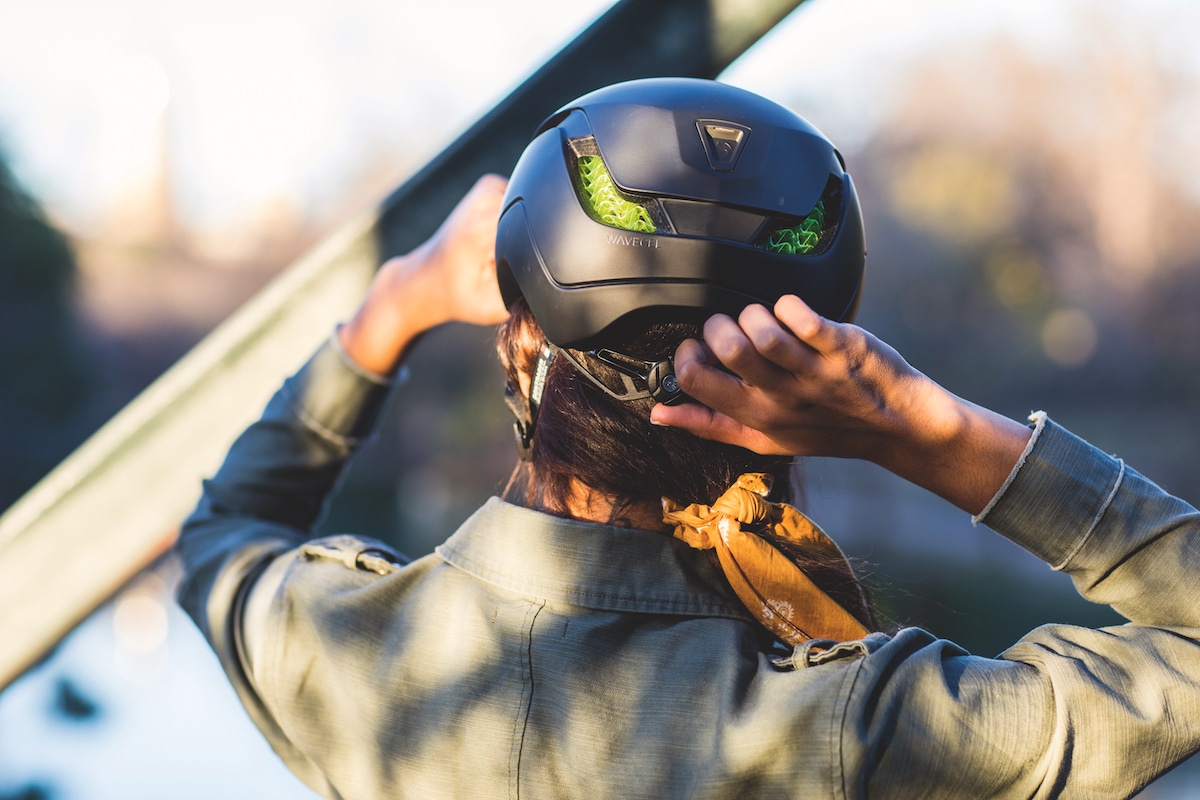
(810, 235)
(601, 197)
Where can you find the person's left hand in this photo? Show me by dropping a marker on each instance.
(790, 382)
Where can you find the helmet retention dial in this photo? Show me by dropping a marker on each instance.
(661, 383)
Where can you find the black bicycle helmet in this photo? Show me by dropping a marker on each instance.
(670, 199)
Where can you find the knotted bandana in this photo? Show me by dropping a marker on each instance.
(771, 586)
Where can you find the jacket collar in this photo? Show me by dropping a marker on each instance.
(586, 564)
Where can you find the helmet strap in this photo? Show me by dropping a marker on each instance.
(631, 391)
(659, 376)
(527, 413)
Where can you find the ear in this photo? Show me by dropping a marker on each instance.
(524, 379)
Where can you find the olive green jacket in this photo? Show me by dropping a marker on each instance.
(537, 657)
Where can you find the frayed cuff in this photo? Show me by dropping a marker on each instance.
(335, 341)
(1095, 520)
(1038, 418)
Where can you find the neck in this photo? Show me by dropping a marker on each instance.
(585, 503)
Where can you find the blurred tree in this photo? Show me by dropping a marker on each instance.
(1033, 247)
(33, 791)
(44, 375)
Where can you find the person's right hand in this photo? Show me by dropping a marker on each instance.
(794, 383)
(451, 277)
(459, 260)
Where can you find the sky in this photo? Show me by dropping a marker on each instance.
(262, 103)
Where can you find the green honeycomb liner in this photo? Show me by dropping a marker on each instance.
(799, 239)
(608, 203)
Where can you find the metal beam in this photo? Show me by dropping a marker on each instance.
(113, 506)
(634, 39)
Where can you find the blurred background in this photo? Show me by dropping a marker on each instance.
(1031, 203)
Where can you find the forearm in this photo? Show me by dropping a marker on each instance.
(272, 486)
(1065, 711)
(281, 468)
(956, 449)
(1124, 541)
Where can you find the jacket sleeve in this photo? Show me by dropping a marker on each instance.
(1066, 711)
(264, 501)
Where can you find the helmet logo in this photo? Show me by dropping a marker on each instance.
(723, 142)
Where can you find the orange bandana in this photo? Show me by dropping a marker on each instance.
(773, 588)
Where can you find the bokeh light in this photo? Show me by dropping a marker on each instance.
(1069, 337)
(140, 616)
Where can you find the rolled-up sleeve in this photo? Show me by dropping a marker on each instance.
(264, 501)
(1066, 711)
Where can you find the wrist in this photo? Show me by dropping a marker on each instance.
(960, 451)
(918, 419)
(399, 307)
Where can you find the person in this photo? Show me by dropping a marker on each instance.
(640, 615)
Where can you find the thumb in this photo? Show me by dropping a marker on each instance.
(703, 422)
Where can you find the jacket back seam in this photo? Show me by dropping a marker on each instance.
(521, 721)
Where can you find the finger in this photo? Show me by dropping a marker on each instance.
(726, 341)
(705, 354)
(705, 423)
(488, 306)
(488, 187)
(701, 377)
(493, 183)
(480, 206)
(488, 196)
(691, 417)
(732, 344)
(694, 350)
(822, 335)
(775, 342)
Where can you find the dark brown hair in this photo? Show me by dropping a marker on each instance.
(610, 446)
(607, 444)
